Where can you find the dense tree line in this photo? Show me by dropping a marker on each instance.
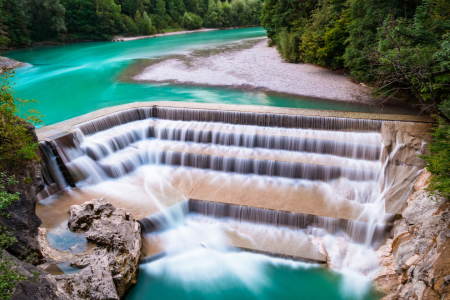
(400, 47)
(23, 22)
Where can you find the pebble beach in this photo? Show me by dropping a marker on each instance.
(258, 67)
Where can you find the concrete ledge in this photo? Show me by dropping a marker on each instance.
(55, 129)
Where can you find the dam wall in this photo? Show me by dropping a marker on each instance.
(336, 171)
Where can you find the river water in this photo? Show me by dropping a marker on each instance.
(72, 80)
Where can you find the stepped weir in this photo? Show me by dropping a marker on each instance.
(306, 170)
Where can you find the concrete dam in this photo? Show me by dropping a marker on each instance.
(282, 178)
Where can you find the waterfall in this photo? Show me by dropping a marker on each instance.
(322, 177)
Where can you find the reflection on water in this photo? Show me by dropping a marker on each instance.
(61, 238)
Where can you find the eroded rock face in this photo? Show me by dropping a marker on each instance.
(420, 251)
(402, 143)
(109, 270)
(22, 220)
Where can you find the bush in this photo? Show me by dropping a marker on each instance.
(8, 276)
(438, 161)
(191, 21)
(16, 145)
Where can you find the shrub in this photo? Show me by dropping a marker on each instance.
(16, 144)
(438, 161)
(8, 276)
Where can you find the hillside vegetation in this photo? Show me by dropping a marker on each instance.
(24, 22)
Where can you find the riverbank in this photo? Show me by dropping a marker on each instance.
(7, 64)
(258, 67)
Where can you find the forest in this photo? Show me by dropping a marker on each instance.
(401, 48)
(24, 22)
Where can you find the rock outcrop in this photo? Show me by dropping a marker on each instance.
(22, 219)
(38, 285)
(108, 270)
(418, 255)
(7, 64)
(403, 142)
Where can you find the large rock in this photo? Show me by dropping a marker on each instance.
(7, 64)
(22, 219)
(403, 142)
(109, 270)
(421, 207)
(38, 285)
(421, 247)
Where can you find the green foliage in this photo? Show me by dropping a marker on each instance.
(232, 14)
(191, 21)
(23, 22)
(438, 161)
(16, 145)
(8, 276)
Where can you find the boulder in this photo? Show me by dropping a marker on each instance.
(38, 285)
(421, 208)
(108, 270)
(387, 279)
(7, 64)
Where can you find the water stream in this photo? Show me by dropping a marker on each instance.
(209, 184)
(74, 79)
(204, 181)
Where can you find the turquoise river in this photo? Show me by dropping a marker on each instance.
(71, 80)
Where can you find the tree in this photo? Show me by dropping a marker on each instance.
(412, 57)
(47, 18)
(146, 26)
(191, 21)
(16, 146)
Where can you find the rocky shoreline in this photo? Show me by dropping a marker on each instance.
(416, 259)
(256, 67)
(7, 64)
(109, 269)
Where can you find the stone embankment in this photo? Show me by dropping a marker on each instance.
(108, 270)
(416, 260)
(7, 64)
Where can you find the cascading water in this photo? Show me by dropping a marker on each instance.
(211, 179)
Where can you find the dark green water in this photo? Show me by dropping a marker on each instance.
(75, 79)
(212, 275)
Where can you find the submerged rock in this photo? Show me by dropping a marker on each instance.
(109, 270)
